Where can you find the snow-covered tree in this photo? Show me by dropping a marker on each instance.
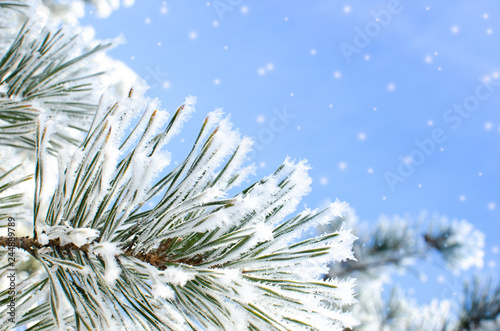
(395, 245)
(122, 240)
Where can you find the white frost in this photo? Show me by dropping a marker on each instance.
(108, 252)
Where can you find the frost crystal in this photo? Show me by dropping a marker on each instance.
(108, 252)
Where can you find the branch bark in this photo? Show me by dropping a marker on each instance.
(156, 258)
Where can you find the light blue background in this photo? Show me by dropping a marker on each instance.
(434, 55)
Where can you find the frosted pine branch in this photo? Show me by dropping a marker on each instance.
(397, 244)
(197, 258)
(400, 241)
(123, 239)
(55, 71)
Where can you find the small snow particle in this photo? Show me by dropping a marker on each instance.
(428, 59)
(261, 71)
(177, 276)
(313, 52)
(342, 165)
(147, 20)
(216, 81)
(43, 239)
(491, 206)
(193, 35)
(391, 87)
(489, 31)
(362, 136)
(215, 23)
(163, 291)
(485, 16)
(454, 29)
(323, 181)
(430, 123)
(367, 57)
(462, 198)
(244, 10)
(488, 126)
(164, 10)
(347, 9)
(337, 74)
(261, 119)
(270, 66)
(263, 232)
(166, 85)
(370, 171)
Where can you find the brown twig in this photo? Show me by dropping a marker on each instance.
(156, 258)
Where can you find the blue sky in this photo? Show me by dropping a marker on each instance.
(355, 117)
